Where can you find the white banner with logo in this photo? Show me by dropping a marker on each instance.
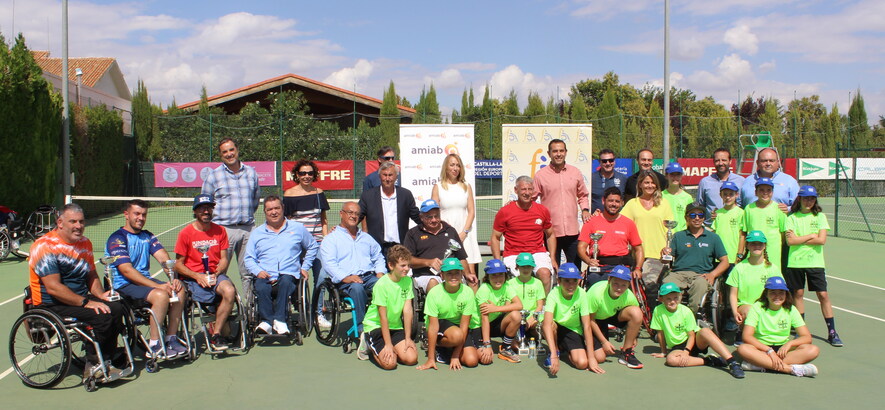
(823, 168)
(524, 150)
(870, 169)
(423, 149)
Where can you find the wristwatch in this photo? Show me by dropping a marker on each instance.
(84, 302)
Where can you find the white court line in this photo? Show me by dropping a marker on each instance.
(10, 370)
(849, 311)
(856, 283)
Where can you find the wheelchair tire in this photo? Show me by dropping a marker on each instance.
(39, 349)
(25, 241)
(327, 296)
(5, 244)
(303, 303)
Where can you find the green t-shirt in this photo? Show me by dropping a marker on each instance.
(678, 203)
(568, 312)
(499, 297)
(449, 306)
(393, 296)
(771, 221)
(675, 325)
(529, 292)
(806, 256)
(728, 225)
(773, 326)
(602, 304)
(750, 280)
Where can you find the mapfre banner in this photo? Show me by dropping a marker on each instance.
(524, 150)
(333, 175)
(423, 149)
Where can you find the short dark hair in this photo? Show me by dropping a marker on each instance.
(643, 150)
(555, 141)
(397, 253)
(225, 140)
(612, 190)
(305, 162)
(605, 151)
(136, 202)
(722, 149)
(385, 149)
(271, 198)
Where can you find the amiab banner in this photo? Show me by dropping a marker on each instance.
(824, 168)
(422, 151)
(524, 150)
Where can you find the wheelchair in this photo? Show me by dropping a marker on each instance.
(298, 317)
(330, 303)
(419, 327)
(714, 308)
(43, 346)
(201, 315)
(140, 314)
(16, 238)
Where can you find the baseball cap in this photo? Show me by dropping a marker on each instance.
(429, 204)
(764, 181)
(674, 167)
(695, 206)
(756, 236)
(203, 199)
(451, 264)
(569, 271)
(807, 190)
(620, 272)
(776, 283)
(525, 259)
(668, 288)
(729, 185)
(495, 266)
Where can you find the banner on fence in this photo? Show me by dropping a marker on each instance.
(823, 168)
(422, 150)
(870, 169)
(332, 175)
(192, 174)
(488, 168)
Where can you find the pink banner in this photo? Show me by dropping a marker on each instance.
(192, 174)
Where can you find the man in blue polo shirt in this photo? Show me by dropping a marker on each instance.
(273, 257)
(694, 250)
(603, 178)
(710, 185)
(768, 165)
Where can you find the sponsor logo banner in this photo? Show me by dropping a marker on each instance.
(869, 169)
(423, 149)
(824, 168)
(488, 168)
(332, 175)
(192, 174)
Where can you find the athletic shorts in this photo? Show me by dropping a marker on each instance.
(137, 292)
(542, 260)
(204, 295)
(817, 279)
(444, 325)
(694, 352)
(421, 281)
(376, 339)
(603, 325)
(474, 338)
(495, 326)
(568, 340)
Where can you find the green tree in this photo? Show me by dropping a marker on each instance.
(144, 124)
(607, 124)
(535, 113)
(427, 109)
(578, 109)
(97, 151)
(390, 118)
(859, 133)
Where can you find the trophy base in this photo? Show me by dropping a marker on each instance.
(594, 269)
(667, 258)
(173, 299)
(211, 281)
(114, 298)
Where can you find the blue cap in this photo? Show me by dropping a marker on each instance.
(620, 272)
(764, 181)
(729, 185)
(776, 283)
(495, 266)
(807, 190)
(674, 167)
(203, 199)
(569, 271)
(429, 204)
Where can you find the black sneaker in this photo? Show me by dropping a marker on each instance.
(629, 359)
(716, 361)
(443, 355)
(834, 339)
(218, 342)
(734, 369)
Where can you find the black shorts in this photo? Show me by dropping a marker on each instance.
(474, 338)
(603, 325)
(495, 326)
(443, 326)
(694, 352)
(376, 339)
(817, 279)
(568, 340)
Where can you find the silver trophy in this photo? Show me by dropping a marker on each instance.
(669, 225)
(169, 269)
(596, 236)
(454, 246)
(204, 249)
(113, 296)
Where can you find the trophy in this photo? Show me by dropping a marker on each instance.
(596, 236)
(669, 225)
(204, 249)
(113, 296)
(169, 268)
(454, 246)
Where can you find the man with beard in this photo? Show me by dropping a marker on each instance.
(711, 185)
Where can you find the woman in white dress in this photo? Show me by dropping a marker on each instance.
(457, 207)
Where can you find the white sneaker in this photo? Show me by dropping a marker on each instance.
(362, 352)
(323, 322)
(805, 370)
(263, 328)
(750, 367)
(280, 328)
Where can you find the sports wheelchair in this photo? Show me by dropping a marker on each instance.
(139, 313)
(419, 326)
(43, 345)
(201, 316)
(330, 302)
(298, 318)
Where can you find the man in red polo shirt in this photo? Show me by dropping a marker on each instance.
(619, 234)
(524, 224)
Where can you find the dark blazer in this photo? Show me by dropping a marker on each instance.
(372, 211)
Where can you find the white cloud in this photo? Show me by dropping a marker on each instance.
(449, 78)
(685, 44)
(473, 66)
(767, 66)
(605, 9)
(706, 7)
(347, 77)
(742, 39)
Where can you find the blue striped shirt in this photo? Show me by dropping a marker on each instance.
(279, 253)
(236, 194)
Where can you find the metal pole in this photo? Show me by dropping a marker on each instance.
(65, 113)
(666, 82)
(836, 210)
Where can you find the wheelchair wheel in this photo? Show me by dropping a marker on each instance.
(39, 349)
(42, 220)
(5, 243)
(302, 302)
(20, 243)
(326, 296)
(711, 309)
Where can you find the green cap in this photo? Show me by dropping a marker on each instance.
(756, 236)
(525, 259)
(451, 264)
(668, 288)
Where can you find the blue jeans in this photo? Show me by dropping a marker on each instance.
(269, 308)
(359, 292)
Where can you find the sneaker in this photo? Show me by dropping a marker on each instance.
(263, 328)
(155, 351)
(443, 355)
(280, 328)
(716, 361)
(731, 325)
(174, 348)
(804, 370)
(509, 355)
(735, 370)
(629, 359)
(738, 339)
(834, 340)
(218, 342)
(362, 352)
(750, 367)
(323, 323)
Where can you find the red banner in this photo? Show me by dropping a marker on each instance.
(697, 168)
(333, 175)
(373, 165)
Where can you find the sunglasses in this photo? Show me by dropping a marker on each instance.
(390, 158)
(306, 173)
(695, 215)
(606, 161)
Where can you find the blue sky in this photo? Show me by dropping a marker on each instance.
(721, 48)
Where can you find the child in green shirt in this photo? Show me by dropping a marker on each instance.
(529, 289)
(806, 235)
(388, 321)
(447, 312)
(767, 343)
(567, 323)
(613, 303)
(675, 195)
(747, 281)
(765, 215)
(682, 341)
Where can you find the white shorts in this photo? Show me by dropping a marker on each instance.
(542, 260)
(421, 281)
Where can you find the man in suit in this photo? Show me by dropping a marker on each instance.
(385, 211)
